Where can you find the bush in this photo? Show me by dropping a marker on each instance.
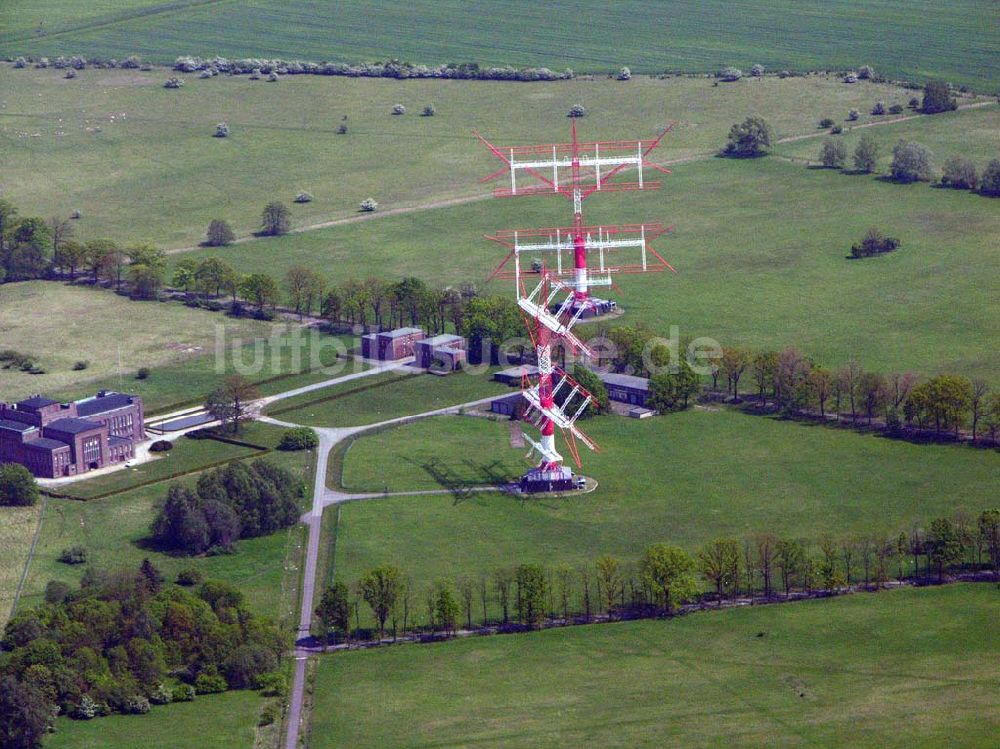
(20, 62)
(210, 684)
(73, 555)
(162, 695)
(429, 111)
(914, 102)
(990, 182)
(70, 74)
(80, 365)
(368, 205)
(273, 684)
(136, 704)
(56, 591)
(221, 130)
(189, 576)
(866, 73)
(911, 162)
(757, 70)
(729, 74)
(960, 173)
(275, 220)
(173, 83)
(272, 77)
(18, 487)
(255, 74)
(751, 138)
(184, 693)
(852, 115)
(342, 128)
(576, 110)
(874, 243)
(825, 123)
(301, 438)
(938, 98)
(879, 108)
(86, 709)
(142, 374)
(161, 446)
(833, 154)
(624, 74)
(304, 197)
(399, 109)
(896, 109)
(836, 130)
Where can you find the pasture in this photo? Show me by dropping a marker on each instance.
(907, 668)
(17, 531)
(916, 39)
(140, 163)
(684, 479)
(761, 251)
(60, 325)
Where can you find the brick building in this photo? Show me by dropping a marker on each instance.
(441, 353)
(53, 439)
(390, 345)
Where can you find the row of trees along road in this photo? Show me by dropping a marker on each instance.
(662, 578)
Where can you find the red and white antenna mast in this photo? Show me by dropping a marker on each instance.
(561, 297)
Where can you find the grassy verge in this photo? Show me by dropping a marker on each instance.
(910, 668)
(17, 530)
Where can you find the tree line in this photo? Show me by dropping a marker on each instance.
(124, 640)
(765, 565)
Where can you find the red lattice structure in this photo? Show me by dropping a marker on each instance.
(554, 292)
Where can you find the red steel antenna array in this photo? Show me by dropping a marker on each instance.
(561, 297)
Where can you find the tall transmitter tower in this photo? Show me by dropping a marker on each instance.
(559, 296)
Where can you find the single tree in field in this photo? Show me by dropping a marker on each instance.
(789, 557)
(938, 98)
(230, 403)
(446, 608)
(275, 220)
(989, 184)
(820, 385)
(960, 173)
(748, 139)
(734, 363)
(833, 154)
(866, 155)
(943, 545)
(185, 275)
(212, 275)
(17, 486)
(220, 233)
(381, 588)
(532, 590)
(911, 162)
(609, 579)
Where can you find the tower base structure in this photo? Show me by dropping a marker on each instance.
(557, 479)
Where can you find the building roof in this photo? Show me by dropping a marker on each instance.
(101, 404)
(441, 340)
(623, 380)
(35, 402)
(528, 369)
(399, 332)
(16, 426)
(73, 426)
(44, 443)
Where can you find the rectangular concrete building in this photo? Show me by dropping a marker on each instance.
(390, 345)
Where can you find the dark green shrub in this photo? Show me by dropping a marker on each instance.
(189, 576)
(210, 684)
(142, 374)
(301, 438)
(73, 555)
(161, 446)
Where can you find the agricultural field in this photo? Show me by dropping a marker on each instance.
(684, 479)
(907, 668)
(60, 325)
(114, 530)
(212, 721)
(384, 396)
(912, 40)
(58, 136)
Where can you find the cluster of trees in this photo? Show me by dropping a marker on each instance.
(795, 384)
(35, 248)
(229, 503)
(388, 69)
(123, 640)
(660, 580)
(18, 487)
(749, 139)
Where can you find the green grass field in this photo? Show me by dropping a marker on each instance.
(17, 529)
(105, 330)
(384, 396)
(909, 668)
(212, 721)
(684, 479)
(114, 529)
(57, 138)
(915, 39)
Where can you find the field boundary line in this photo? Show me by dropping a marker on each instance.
(31, 556)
